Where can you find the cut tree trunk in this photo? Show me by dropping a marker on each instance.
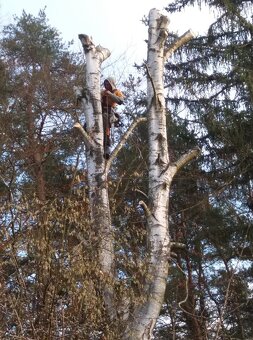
(143, 318)
(161, 173)
(97, 176)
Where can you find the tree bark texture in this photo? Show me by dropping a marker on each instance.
(97, 177)
(161, 173)
(143, 318)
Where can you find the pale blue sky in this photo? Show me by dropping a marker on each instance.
(113, 24)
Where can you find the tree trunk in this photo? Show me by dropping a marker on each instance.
(97, 176)
(161, 173)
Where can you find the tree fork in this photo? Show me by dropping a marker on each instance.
(97, 167)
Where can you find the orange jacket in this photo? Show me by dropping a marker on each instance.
(107, 100)
(107, 97)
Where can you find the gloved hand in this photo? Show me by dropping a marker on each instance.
(115, 98)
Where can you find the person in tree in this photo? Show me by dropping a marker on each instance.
(110, 98)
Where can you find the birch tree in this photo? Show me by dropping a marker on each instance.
(141, 321)
(53, 283)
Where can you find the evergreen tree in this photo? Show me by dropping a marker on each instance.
(46, 244)
(51, 280)
(39, 109)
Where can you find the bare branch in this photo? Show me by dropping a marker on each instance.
(186, 158)
(123, 141)
(145, 207)
(141, 192)
(89, 143)
(187, 36)
(7, 186)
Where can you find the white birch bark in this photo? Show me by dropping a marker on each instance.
(97, 176)
(97, 168)
(161, 173)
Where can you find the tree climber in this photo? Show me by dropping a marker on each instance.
(110, 98)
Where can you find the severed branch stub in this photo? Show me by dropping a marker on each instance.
(89, 143)
(183, 160)
(187, 36)
(187, 157)
(86, 41)
(88, 45)
(145, 208)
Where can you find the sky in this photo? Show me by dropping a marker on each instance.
(113, 24)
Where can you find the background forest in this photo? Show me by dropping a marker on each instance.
(50, 279)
